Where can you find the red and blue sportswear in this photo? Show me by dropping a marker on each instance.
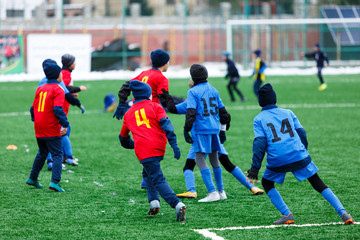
(156, 80)
(47, 110)
(143, 120)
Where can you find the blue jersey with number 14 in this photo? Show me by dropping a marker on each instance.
(206, 100)
(279, 126)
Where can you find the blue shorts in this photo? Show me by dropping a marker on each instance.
(206, 143)
(191, 154)
(300, 174)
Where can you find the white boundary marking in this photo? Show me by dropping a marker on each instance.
(208, 234)
(249, 107)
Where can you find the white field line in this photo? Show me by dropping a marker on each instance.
(207, 232)
(249, 107)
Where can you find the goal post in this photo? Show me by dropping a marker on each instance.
(282, 40)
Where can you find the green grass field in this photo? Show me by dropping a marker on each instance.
(117, 208)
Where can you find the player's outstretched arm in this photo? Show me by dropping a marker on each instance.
(74, 101)
(168, 128)
(123, 94)
(167, 101)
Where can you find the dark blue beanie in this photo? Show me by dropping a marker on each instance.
(257, 52)
(67, 60)
(140, 90)
(51, 69)
(317, 45)
(226, 54)
(266, 95)
(159, 58)
(198, 73)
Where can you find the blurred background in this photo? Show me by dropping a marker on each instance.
(120, 34)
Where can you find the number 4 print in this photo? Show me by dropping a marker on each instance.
(284, 124)
(143, 116)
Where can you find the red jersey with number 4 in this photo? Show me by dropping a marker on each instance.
(143, 120)
(156, 80)
(47, 96)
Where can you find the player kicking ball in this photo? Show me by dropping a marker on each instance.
(151, 127)
(279, 133)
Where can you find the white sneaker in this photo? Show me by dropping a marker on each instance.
(211, 197)
(222, 195)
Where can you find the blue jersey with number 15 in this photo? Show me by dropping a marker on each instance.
(279, 126)
(206, 100)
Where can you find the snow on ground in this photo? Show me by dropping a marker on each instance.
(175, 72)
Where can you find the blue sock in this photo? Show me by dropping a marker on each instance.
(334, 201)
(206, 176)
(278, 202)
(240, 176)
(65, 140)
(189, 180)
(218, 178)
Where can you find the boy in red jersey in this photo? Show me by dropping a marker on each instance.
(151, 127)
(69, 63)
(153, 77)
(48, 116)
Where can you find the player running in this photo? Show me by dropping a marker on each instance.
(205, 111)
(320, 57)
(153, 77)
(48, 116)
(151, 127)
(258, 73)
(181, 108)
(279, 133)
(234, 77)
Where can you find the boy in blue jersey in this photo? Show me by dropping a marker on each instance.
(205, 111)
(320, 57)
(189, 176)
(279, 133)
(258, 73)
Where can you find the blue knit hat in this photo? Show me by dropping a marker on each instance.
(159, 58)
(267, 95)
(317, 45)
(140, 90)
(51, 69)
(257, 52)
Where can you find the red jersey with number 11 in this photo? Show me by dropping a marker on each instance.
(47, 96)
(143, 120)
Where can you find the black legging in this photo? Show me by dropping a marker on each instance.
(232, 86)
(314, 180)
(319, 75)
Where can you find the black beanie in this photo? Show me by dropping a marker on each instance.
(266, 95)
(159, 58)
(198, 73)
(67, 60)
(51, 69)
(140, 90)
